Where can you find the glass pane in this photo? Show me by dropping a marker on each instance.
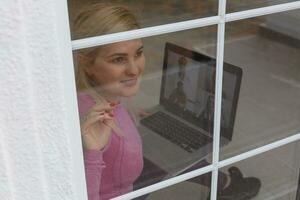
(159, 127)
(271, 175)
(193, 189)
(148, 13)
(266, 50)
(240, 5)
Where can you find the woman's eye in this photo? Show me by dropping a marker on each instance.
(119, 60)
(139, 53)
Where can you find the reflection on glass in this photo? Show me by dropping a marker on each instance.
(267, 51)
(240, 5)
(193, 189)
(174, 138)
(114, 101)
(154, 12)
(271, 175)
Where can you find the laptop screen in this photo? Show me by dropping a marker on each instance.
(188, 86)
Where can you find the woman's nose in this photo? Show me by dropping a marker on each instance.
(132, 68)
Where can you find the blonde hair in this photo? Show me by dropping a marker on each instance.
(94, 20)
(103, 18)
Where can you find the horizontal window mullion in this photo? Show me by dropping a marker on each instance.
(180, 26)
(209, 168)
(144, 32)
(259, 150)
(262, 11)
(166, 183)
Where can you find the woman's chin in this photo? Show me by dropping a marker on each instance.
(120, 90)
(128, 92)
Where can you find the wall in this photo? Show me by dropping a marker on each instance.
(36, 160)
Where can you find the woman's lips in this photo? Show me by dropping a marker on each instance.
(129, 82)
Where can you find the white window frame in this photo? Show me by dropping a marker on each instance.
(220, 20)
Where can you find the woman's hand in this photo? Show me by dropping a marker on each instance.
(143, 113)
(96, 126)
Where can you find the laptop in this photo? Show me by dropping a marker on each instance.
(179, 131)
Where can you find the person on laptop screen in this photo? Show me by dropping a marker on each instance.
(178, 95)
(105, 76)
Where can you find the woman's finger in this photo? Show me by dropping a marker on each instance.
(94, 118)
(86, 125)
(104, 106)
(106, 126)
(94, 114)
(143, 113)
(113, 126)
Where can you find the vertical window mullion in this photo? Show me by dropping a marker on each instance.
(218, 97)
(68, 81)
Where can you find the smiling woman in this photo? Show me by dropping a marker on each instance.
(106, 75)
(117, 69)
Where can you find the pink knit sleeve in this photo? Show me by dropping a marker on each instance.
(93, 160)
(93, 163)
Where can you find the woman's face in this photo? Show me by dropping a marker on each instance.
(118, 68)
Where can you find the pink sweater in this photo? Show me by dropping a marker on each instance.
(112, 171)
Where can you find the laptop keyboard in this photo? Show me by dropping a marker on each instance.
(177, 132)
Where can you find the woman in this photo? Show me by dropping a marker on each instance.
(106, 75)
